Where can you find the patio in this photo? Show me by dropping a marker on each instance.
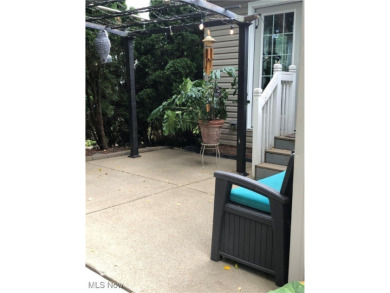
(149, 223)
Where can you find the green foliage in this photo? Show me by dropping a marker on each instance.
(105, 99)
(292, 287)
(89, 142)
(163, 61)
(194, 101)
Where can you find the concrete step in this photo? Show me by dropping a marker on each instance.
(277, 156)
(284, 143)
(266, 169)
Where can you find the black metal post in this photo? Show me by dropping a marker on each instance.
(130, 81)
(242, 96)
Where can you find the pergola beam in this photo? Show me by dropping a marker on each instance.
(215, 8)
(195, 15)
(133, 11)
(102, 27)
(92, 4)
(178, 28)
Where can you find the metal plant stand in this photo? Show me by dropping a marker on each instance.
(213, 146)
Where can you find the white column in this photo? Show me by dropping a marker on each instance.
(293, 100)
(256, 139)
(297, 242)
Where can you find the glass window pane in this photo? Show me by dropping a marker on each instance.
(278, 43)
(289, 44)
(267, 65)
(267, 47)
(289, 61)
(265, 81)
(268, 24)
(278, 24)
(289, 22)
(284, 62)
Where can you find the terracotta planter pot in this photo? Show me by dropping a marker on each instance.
(211, 131)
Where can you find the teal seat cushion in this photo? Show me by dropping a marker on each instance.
(255, 200)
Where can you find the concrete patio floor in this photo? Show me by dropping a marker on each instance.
(149, 222)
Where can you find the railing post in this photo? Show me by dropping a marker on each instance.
(278, 105)
(291, 122)
(277, 68)
(257, 127)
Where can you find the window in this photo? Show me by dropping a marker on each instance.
(277, 43)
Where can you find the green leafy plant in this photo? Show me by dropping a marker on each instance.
(195, 100)
(89, 143)
(292, 287)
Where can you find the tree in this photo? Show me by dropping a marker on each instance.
(106, 104)
(162, 62)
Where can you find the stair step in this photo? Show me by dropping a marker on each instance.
(277, 156)
(267, 169)
(279, 152)
(284, 142)
(273, 167)
(287, 137)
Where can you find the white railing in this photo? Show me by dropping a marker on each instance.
(273, 112)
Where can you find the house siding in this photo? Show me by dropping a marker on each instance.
(226, 54)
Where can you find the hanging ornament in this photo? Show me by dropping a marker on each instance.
(103, 45)
(209, 52)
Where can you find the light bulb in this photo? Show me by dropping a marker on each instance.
(231, 30)
(201, 26)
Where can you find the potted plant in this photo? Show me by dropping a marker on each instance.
(198, 103)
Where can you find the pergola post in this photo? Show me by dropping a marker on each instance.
(130, 82)
(242, 97)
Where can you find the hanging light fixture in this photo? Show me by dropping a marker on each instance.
(103, 45)
(201, 25)
(231, 30)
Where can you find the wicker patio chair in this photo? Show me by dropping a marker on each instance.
(254, 230)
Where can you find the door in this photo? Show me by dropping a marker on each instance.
(276, 39)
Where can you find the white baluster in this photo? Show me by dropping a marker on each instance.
(286, 109)
(278, 92)
(269, 130)
(283, 108)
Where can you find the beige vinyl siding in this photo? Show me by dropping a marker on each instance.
(226, 54)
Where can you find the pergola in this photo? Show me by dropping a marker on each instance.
(167, 20)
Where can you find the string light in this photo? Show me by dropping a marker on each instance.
(201, 26)
(231, 30)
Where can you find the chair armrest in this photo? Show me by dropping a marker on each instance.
(252, 185)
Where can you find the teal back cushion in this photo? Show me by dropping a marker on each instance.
(255, 200)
